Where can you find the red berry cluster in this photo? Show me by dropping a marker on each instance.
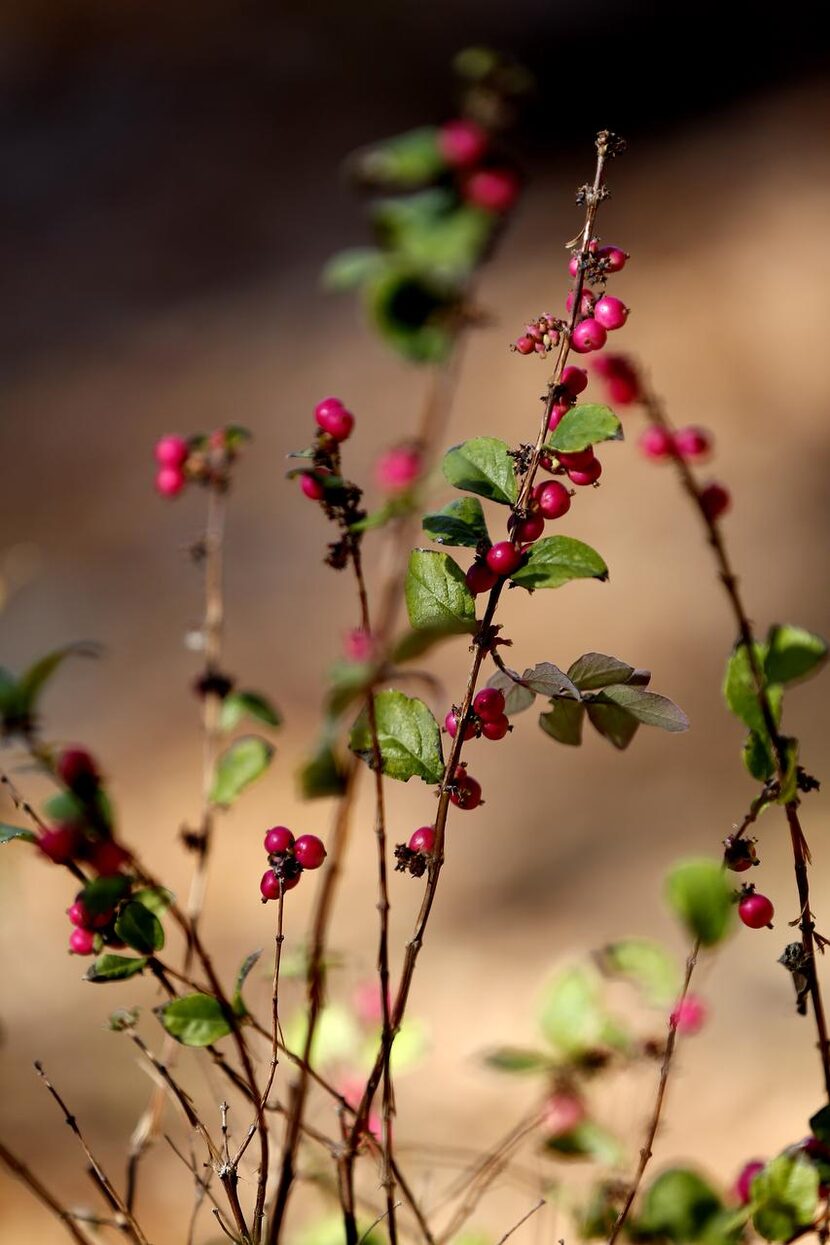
(487, 719)
(540, 336)
(288, 858)
(335, 425)
(201, 459)
(78, 840)
(466, 147)
(598, 313)
(91, 931)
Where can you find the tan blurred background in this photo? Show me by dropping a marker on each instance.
(171, 192)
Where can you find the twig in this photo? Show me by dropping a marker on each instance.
(19, 1169)
(523, 1219)
(372, 1226)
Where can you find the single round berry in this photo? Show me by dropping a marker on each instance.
(611, 312)
(614, 258)
(313, 488)
(578, 460)
(503, 558)
(333, 418)
(575, 379)
(480, 578)
(756, 910)
(107, 858)
(309, 851)
(171, 451)
(270, 885)
(585, 475)
(77, 770)
(524, 345)
(398, 468)
(82, 942)
(530, 529)
(563, 1111)
(451, 726)
(495, 190)
(715, 500)
(328, 406)
(553, 498)
(497, 728)
(689, 1016)
(60, 844)
(489, 704)
(467, 791)
(588, 335)
(586, 301)
(462, 143)
(279, 839)
(170, 481)
(422, 840)
(743, 1185)
(693, 443)
(656, 444)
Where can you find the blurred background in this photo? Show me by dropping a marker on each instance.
(171, 190)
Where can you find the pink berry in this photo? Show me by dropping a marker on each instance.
(575, 379)
(495, 190)
(333, 418)
(451, 726)
(562, 1113)
(398, 468)
(489, 704)
(467, 793)
(496, 728)
(588, 335)
(524, 345)
(462, 143)
(309, 851)
(586, 301)
(611, 312)
(328, 406)
(82, 942)
(585, 475)
(573, 265)
(171, 451)
(530, 529)
(693, 443)
(504, 558)
(358, 645)
(553, 498)
(313, 488)
(107, 858)
(715, 500)
(480, 578)
(170, 481)
(270, 885)
(656, 443)
(77, 770)
(743, 1185)
(615, 258)
(756, 911)
(559, 410)
(422, 840)
(689, 1016)
(579, 460)
(623, 390)
(79, 916)
(279, 839)
(61, 844)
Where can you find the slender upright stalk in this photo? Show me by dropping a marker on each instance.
(23, 1173)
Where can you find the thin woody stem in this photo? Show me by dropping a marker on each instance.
(23, 1173)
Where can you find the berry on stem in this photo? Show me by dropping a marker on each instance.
(489, 704)
(524, 345)
(585, 475)
(715, 500)
(107, 858)
(60, 844)
(611, 312)
(398, 468)
(82, 942)
(422, 840)
(553, 498)
(466, 791)
(309, 851)
(462, 142)
(586, 301)
(77, 770)
(170, 481)
(530, 529)
(689, 1016)
(613, 257)
(83, 919)
(496, 728)
(480, 578)
(575, 379)
(270, 884)
(588, 335)
(313, 488)
(693, 443)
(451, 726)
(171, 451)
(504, 558)
(495, 190)
(656, 444)
(756, 911)
(278, 839)
(332, 416)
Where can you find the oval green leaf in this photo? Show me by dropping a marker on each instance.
(556, 560)
(482, 466)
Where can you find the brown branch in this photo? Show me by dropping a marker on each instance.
(19, 1169)
(523, 1219)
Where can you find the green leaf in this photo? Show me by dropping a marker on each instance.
(413, 313)
(564, 722)
(740, 693)
(322, 775)
(679, 1205)
(237, 1002)
(350, 680)
(573, 1016)
(647, 965)
(545, 679)
(194, 1020)
(157, 898)
(556, 560)
(616, 725)
(8, 833)
(437, 598)
(793, 654)
(65, 807)
(517, 1060)
(586, 425)
(517, 697)
(408, 160)
(482, 466)
(352, 268)
(700, 895)
(758, 757)
(241, 764)
(110, 967)
(646, 707)
(240, 705)
(103, 894)
(784, 1197)
(789, 784)
(32, 681)
(139, 928)
(409, 738)
(460, 522)
(594, 670)
(587, 1140)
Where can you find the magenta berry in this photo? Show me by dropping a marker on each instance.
(585, 475)
(170, 481)
(586, 302)
(77, 770)
(82, 942)
(462, 143)
(489, 704)
(171, 451)
(623, 390)
(398, 468)
(467, 791)
(715, 500)
(689, 1016)
(693, 443)
(611, 312)
(657, 444)
(60, 844)
(743, 1185)
(313, 488)
(530, 529)
(495, 190)
(270, 885)
(563, 1111)
(614, 258)
(480, 578)
(524, 345)
(83, 919)
(559, 410)
(451, 726)
(333, 418)
(578, 460)
(279, 839)
(588, 335)
(423, 840)
(575, 379)
(756, 910)
(309, 851)
(496, 728)
(553, 498)
(503, 558)
(107, 858)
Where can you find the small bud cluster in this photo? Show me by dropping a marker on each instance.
(202, 459)
(598, 313)
(288, 858)
(540, 336)
(413, 857)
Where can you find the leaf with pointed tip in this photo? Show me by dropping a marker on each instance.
(517, 697)
(240, 705)
(585, 425)
(545, 679)
(587, 1140)
(239, 765)
(518, 1060)
(9, 833)
(194, 1019)
(102, 895)
(701, 896)
(556, 560)
(564, 722)
(758, 757)
(408, 735)
(139, 928)
(793, 654)
(437, 597)
(646, 707)
(32, 681)
(614, 724)
(237, 1002)
(484, 466)
(740, 691)
(460, 522)
(593, 670)
(110, 967)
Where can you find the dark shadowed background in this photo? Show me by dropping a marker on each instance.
(171, 188)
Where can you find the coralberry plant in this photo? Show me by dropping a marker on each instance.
(439, 199)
